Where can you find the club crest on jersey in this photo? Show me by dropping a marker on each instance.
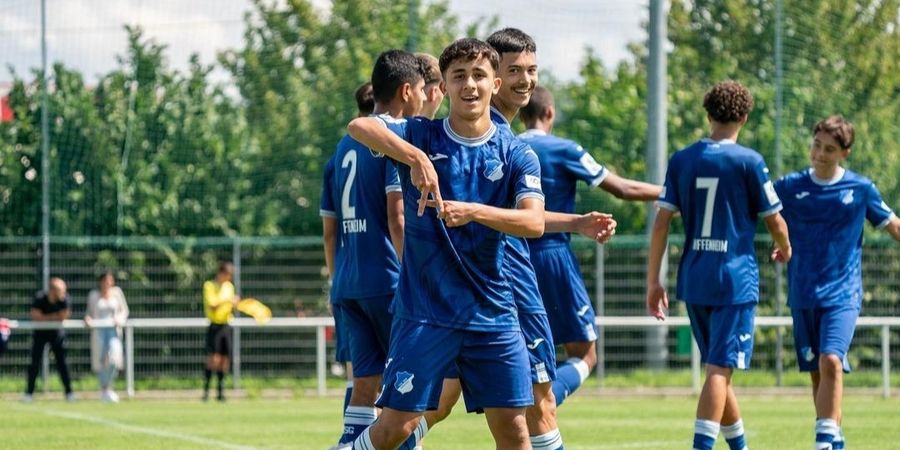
(493, 170)
(404, 383)
(847, 196)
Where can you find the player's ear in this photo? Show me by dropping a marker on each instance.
(744, 119)
(550, 113)
(443, 87)
(497, 83)
(405, 91)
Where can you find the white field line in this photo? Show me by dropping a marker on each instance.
(144, 430)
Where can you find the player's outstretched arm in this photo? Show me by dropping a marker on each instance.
(893, 228)
(779, 231)
(657, 298)
(373, 134)
(526, 221)
(594, 225)
(628, 189)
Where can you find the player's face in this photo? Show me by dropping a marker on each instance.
(415, 99)
(519, 74)
(469, 86)
(825, 151)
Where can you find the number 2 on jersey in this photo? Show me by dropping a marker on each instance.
(712, 184)
(347, 211)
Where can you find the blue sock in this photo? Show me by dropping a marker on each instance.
(734, 435)
(569, 376)
(838, 443)
(827, 431)
(347, 394)
(356, 419)
(416, 438)
(547, 441)
(705, 434)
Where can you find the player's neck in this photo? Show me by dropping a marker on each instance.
(721, 132)
(542, 125)
(475, 128)
(392, 109)
(828, 173)
(508, 113)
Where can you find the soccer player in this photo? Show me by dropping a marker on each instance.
(434, 94)
(362, 210)
(563, 164)
(825, 281)
(453, 302)
(219, 300)
(720, 188)
(365, 103)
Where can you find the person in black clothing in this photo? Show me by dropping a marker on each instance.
(51, 306)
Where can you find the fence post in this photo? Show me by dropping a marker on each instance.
(779, 330)
(600, 289)
(236, 351)
(886, 360)
(695, 366)
(129, 359)
(320, 359)
(45, 368)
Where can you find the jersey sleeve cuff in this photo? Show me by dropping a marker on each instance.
(667, 205)
(599, 179)
(769, 212)
(885, 222)
(393, 188)
(525, 195)
(327, 213)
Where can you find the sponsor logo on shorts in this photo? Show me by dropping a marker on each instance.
(533, 345)
(541, 371)
(744, 337)
(808, 354)
(404, 383)
(741, 360)
(584, 309)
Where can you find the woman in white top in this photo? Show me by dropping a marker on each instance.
(107, 311)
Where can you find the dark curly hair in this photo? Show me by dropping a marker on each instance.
(468, 49)
(839, 128)
(728, 101)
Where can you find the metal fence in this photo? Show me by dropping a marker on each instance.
(161, 278)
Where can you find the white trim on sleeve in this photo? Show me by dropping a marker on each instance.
(393, 188)
(667, 205)
(603, 174)
(525, 195)
(771, 211)
(886, 222)
(327, 213)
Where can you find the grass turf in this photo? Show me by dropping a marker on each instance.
(587, 422)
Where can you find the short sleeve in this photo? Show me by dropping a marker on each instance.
(391, 178)
(762, 191)
(878, 213)
(400, 127)
(583, 166)
(326, 204)
(526, 171)
(669, 197)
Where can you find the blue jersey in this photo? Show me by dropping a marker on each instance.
(366, 264)
(563, 164)
(825, 220)
(455, 276)
(720, 189)
(518, 262)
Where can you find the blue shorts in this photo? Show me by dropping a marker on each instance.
(341, 337)
(568, 306)
(724, 334)
(368, 324)
(494, 366)
(823, 330)
(539, 342)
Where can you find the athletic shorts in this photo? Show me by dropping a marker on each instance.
(823, 330)
(341, 338)
(541, 350)
(368, 323)
(568, 306)
(218, 339)
(494, 366)
(724, 334)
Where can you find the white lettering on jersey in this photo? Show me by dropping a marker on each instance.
(710, 245)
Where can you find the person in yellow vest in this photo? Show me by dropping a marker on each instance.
(219, 299)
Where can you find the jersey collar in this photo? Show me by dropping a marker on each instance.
(722, 142)
(470, 142)
(535, 132)
(839, 174)
(499, 115)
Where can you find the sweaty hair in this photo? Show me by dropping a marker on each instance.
(393, 69)
(432, 70)
(541, 100)
(511, 40)
(728, 101)
(837, 127)
(468, 49)
(365, 100)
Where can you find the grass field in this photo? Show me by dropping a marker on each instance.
(587, 422)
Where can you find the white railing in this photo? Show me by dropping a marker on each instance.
(320, 323)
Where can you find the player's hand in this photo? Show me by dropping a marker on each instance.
(596, 226)
(88, 321)
(657, 301)
(456, 214)
(782, 255)
(425, 179)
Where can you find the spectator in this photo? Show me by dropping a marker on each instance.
(219, 300)
(51, 306)
(107, 311)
